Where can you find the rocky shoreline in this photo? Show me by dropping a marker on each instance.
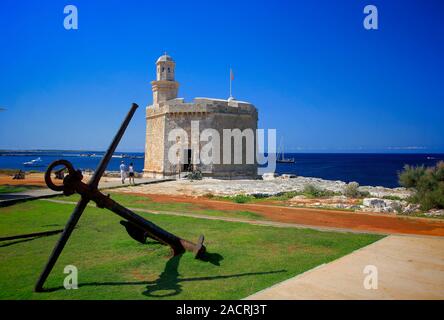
(375, 199)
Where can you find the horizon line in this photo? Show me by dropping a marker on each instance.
(330, 151)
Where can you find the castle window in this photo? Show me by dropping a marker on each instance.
(168, 69)
(163, 69)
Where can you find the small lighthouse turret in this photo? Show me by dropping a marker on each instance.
(164, 87)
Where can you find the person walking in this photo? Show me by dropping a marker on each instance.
(122, 171)
(131, 173)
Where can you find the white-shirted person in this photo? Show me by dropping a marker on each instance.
(131, 173)
(122, 171)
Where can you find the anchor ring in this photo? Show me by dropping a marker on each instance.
(51, 185)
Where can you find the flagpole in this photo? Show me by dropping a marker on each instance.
(230, 82)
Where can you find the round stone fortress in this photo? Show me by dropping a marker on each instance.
(169, 112)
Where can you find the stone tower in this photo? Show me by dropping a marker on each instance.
(168, 113)
(164, 87)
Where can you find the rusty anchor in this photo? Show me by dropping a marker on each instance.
(136, 226)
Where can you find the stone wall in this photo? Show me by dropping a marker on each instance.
(154, 141)
(211, 114)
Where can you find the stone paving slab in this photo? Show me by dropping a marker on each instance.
(409, 267)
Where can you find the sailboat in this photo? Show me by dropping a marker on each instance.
(281, 154)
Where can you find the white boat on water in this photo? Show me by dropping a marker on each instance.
(34, 163)
(88, 155)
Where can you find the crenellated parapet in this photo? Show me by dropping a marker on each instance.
(168, 113)
(201, 105)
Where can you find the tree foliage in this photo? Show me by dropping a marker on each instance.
(428, 184)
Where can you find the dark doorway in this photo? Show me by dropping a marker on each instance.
(187, 166)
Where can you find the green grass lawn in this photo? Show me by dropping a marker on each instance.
(134, 201)
(242, 259)
(16, 188)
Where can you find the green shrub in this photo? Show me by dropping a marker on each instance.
(351, 190)
(410, 177)
(428, 184)
(392, 198)
(283, 196)
(311, 191)
(365, 194)
(242, 198)
(238, 198)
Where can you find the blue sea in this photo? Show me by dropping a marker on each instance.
(82, 160)
(364, 168)
(370, 169)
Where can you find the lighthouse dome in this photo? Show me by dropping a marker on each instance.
(164, 58)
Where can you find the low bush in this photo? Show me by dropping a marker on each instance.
(311, 191)
(428, 184)
(285, 195)
(242, 198)
(351, 190)
(392, 198)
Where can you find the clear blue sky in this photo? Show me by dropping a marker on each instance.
(315, 74)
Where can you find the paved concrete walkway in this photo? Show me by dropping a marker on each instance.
(408, 267)
(45, 192)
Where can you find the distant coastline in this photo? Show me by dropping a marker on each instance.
(302, 151)
(60, 150)
(371, 169)
(6, 152)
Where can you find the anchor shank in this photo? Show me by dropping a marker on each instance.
(155, 232)
(94, 182)
(70, 225)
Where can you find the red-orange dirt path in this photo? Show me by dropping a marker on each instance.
(376, 222)
(32, 179)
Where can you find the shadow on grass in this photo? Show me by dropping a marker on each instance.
(9, 189)
(12, 242)
(9, 196)
(168, 283)
(27, 237)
